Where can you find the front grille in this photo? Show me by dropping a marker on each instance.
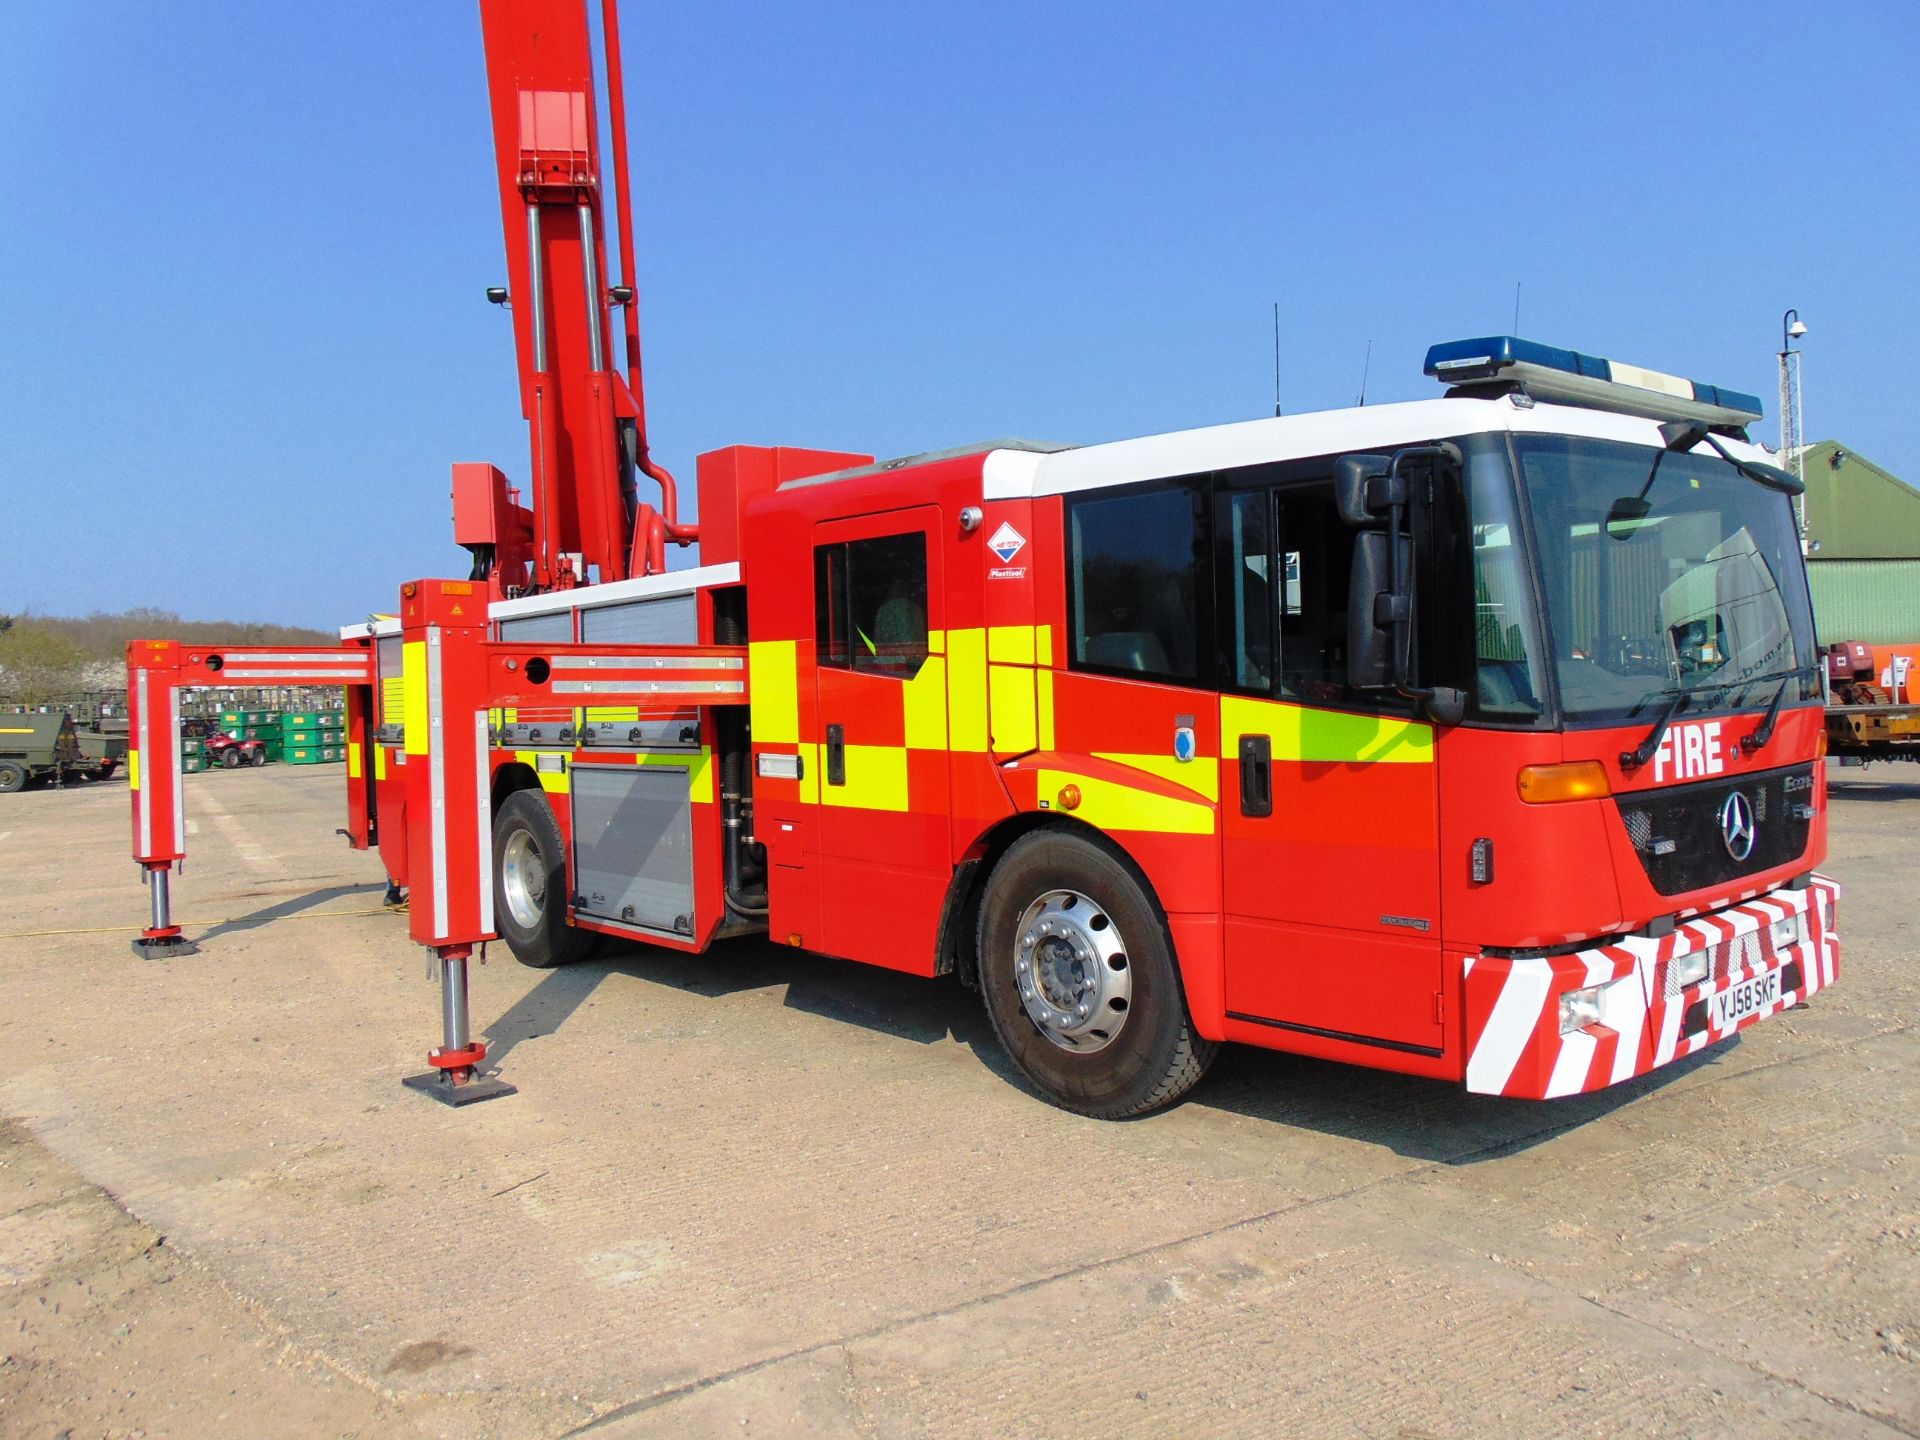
(1676, 831)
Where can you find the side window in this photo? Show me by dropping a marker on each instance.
(1248, 603)
(870, 604)
(1138, 577)
(1315, 550)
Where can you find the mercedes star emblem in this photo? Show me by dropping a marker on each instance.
(1736, 825)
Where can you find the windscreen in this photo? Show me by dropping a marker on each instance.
(1664, 573)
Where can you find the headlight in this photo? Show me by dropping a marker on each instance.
(1691, 969)
(1790, 931)
(1580, 1008)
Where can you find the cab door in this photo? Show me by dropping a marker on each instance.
(881, 828)
(1329, 804)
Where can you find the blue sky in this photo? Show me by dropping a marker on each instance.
(244, 246)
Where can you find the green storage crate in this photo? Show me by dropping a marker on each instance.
(332, 720)
(307, 736)
(193, 764)
(231, 718)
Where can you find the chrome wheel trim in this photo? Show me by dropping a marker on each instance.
(1071, 967)
(523, 880)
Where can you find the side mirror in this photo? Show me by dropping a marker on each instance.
(1373, 608)
(1365, 490)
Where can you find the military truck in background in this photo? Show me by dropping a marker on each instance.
(37, 746)
(103, 744)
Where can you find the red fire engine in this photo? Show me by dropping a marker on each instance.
(1478, 737)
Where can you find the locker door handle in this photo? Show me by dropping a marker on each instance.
(1256, 776)
(836, 755)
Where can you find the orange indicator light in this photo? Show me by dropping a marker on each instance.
(1571, 780)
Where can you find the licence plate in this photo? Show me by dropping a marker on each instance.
(1744, 1000)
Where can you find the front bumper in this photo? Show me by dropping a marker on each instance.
(1514, 1044)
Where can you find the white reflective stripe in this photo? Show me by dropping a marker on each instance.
(645, 662)
(483, 813)
(359, 674)
(1669, 1036)
(305, 657)
(1510, 1027)
(437, 782)
(648, 687)
(1633, 1021)
(143, 807)
(1646, 956)
(1571, 1065)
(173, 764)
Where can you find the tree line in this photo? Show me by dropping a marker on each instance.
(46, 657)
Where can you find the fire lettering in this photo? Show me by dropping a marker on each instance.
(1690, 752)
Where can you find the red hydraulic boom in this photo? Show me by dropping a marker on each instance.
(587, 422)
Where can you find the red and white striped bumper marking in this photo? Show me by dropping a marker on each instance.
(1514, 1044)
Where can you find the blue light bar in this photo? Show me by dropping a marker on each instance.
(1567, 377)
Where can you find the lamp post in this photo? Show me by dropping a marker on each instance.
(1792, 442)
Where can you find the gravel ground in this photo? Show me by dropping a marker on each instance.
(759, 1193)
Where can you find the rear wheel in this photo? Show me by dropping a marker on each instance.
(13, 777)
(104, 771)
(1080, 982)
(530, 885)
(258, 757)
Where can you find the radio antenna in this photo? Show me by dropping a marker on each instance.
(1276, 357)
(1365, 370)
(1516, 308)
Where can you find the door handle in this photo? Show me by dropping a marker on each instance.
(836, 755)
(1256, 776)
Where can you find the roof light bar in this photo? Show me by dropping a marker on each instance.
(1567, 377)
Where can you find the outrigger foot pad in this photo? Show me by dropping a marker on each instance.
(164, 946)
(438, 1085)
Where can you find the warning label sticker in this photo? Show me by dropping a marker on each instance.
(1006, 542)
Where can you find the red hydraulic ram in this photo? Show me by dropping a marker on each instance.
(157, 671)
(454, 676)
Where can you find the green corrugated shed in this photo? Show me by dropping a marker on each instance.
(1877, 601)
(1863, 540)
(1856, 510)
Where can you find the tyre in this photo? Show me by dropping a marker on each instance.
(258, 757)
(104, 771)
(1078, 973)
(13, 777)
(530, 885)
(230, 757)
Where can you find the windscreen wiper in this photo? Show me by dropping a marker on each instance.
(1753, 744)
(1634, 759)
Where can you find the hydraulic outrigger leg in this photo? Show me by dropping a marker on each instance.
(161, 940)
(455, 1078)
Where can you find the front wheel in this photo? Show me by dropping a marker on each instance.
(258, 757)
(1079, 978)
(230, 758)
(13, 778)
(530, 885)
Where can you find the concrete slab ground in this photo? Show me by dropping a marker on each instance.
(762, 1193)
